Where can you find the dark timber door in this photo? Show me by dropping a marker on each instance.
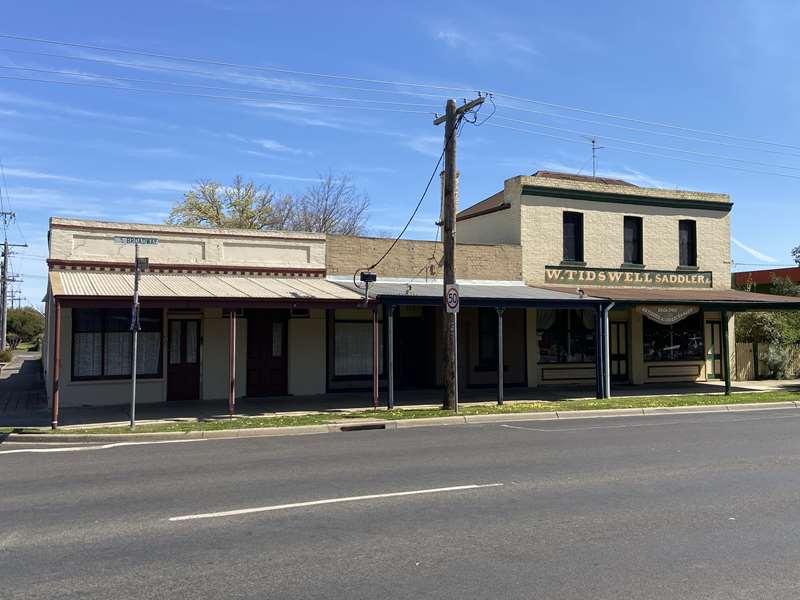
(183, 366)
(713, 350)
(413, 347)
(267, 368)
(618, 350)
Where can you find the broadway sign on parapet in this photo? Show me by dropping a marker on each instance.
(627, 277)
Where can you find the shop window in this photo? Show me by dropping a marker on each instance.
(573, 237)
(566, 336)
(687, 240)
(681, 341)
(102, 343)
(633, 241)
(352, 347)
(487, 337)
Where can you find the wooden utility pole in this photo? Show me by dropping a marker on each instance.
(451, 120)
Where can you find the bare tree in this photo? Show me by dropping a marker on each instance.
(330, 206)
(333, 205)
(242, 205)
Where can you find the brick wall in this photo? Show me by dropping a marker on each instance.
(346, 254)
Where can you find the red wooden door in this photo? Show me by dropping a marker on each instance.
(267, 367)
(183, 364)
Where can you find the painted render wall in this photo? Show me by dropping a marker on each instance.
(106, 392)
(214, 355)
(500, 227)
(307, 369)
(92, 241)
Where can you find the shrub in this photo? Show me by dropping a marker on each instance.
(778, 363)
(5, 356)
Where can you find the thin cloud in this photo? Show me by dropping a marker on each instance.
(39, 175)
(275, 146)
(289, 177)
(163, 185)
(500, 44)
(753, 252)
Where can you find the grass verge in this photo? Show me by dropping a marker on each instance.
(423, 413)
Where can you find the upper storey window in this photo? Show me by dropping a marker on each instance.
(573, 237)
(687, 241)
(633, 241)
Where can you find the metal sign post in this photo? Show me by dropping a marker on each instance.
(140, 264)
(452, 302)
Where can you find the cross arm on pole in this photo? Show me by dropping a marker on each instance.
(461, 109)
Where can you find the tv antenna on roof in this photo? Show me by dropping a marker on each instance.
(595, 148)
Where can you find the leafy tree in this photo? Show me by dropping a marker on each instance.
(333, 205)
(24, 324)
(796, 255)
(778, 327)
(241, 205)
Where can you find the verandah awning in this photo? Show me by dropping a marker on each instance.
(197, 286)
(708, 298)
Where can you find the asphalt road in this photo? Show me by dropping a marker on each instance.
(691, 506)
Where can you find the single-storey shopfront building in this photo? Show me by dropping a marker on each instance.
(565, 281)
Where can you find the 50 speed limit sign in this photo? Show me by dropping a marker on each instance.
(452, 298)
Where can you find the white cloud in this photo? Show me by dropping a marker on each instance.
(163, 185)
(29, 174)
(451, 37)
(430, 145)
(494, 44)
(288, 177)
(753, 252)
(275, 146)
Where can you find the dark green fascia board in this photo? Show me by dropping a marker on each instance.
(548, 192)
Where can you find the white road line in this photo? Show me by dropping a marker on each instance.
(658, 424)
(98, 447)
(247, 511)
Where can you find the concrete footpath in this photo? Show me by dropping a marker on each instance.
(345, 425)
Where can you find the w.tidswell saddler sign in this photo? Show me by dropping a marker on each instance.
(627, 277)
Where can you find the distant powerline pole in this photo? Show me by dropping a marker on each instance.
(451, 120)
(5, 279)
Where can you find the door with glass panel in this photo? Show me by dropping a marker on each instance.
(618, 350)
(267, 344)
(183, 364)
(713, 350)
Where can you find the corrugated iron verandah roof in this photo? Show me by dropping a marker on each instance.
(196, 286)
(473, 293)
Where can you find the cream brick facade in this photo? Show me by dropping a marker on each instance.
(536, 220)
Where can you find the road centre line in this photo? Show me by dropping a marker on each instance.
(658, 424)
(247, 511)
(96, 447)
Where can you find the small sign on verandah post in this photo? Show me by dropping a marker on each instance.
(139, 265)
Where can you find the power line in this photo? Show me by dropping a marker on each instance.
(209, 96)
(208, 87)
(644, 153)
(229, 64)
(395, 83)
(645, 122)
(213, 75)
(648, 131)
(656, 146)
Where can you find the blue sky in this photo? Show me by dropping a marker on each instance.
(93, 152)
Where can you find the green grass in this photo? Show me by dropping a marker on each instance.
(424, 413)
